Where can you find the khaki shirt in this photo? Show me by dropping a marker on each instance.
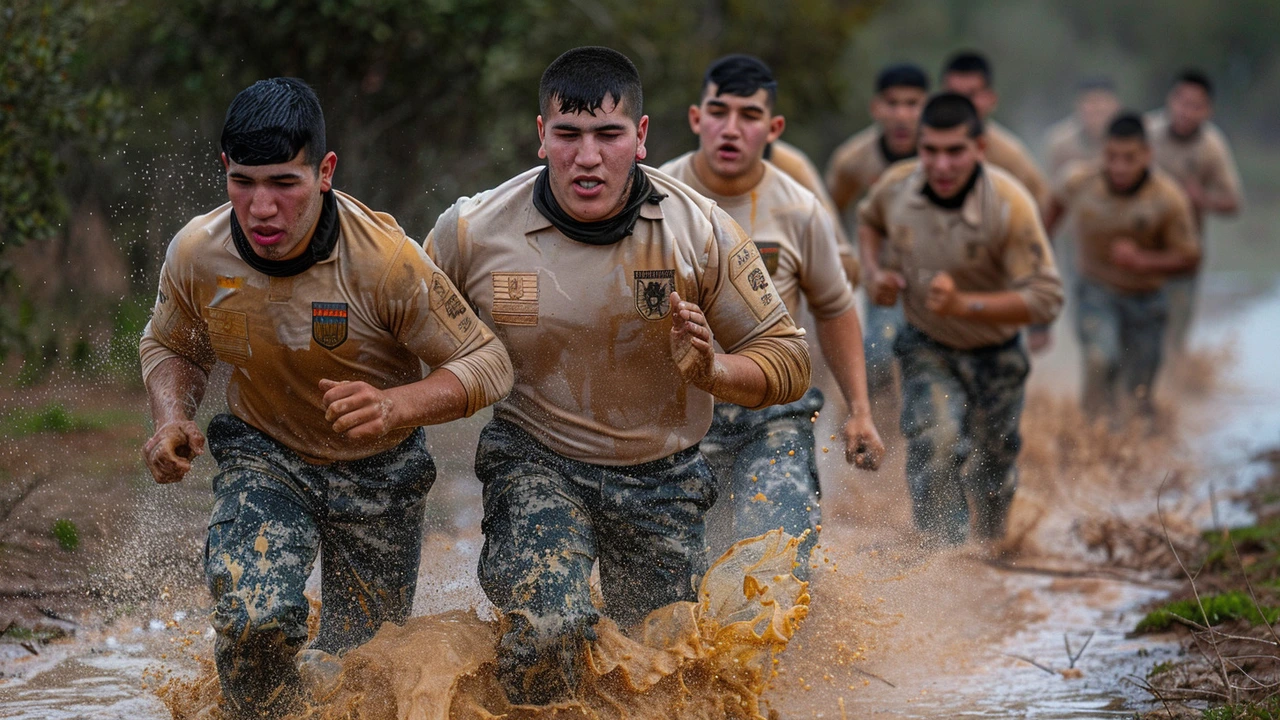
(588, 326)
(794, 233)
(995, 242)
(375, 310)
(855, 166)
(1156, 217)
(1066, 142)
(1006, 151)
(1205, 159)
(797, 166)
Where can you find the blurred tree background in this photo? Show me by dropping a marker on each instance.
(110, 110)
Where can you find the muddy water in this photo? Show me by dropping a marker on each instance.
(892, 633)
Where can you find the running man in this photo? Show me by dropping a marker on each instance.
(765, 461)
(1135, 229)
(795, 164)
(326, 312)
(610, 284)
(960, 240)
(1081, 135)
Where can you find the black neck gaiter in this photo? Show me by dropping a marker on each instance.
(321, 245)
(890, 157)
(955, 202)
(604, 232)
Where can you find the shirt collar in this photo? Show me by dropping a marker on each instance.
(970, 211)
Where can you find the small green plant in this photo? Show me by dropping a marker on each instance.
(53, 417)
(1266, 710)
(1160, 669)
(1232, 605)
(67, 534)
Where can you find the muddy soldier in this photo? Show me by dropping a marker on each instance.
(609, 283)
(856, 165)
(1194, 151)
(1134, 229)
(962, 242)
(795, 164)
(326, 312)
(1080, 136)
(765, 460)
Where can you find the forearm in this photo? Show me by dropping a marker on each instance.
(1167, 262)
(998, 308)
(739, 380)
(869, 252)
(438, 398)
(841, 340)
(174, 389)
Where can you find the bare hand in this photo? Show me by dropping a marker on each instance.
(357, 409)
(691, 347)
(943, 298)
(885, 286)
(171, 450)
(862, 444)
(1126, 255)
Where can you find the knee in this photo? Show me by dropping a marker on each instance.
(260, 618)
(937, 445)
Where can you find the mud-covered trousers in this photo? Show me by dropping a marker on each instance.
(272, 514)
(1180, 292)
(1122, 340)
(884, 322)
(766, 474)
(960, 416)
(548, 518)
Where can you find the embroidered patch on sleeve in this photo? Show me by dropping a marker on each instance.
(515, 298)
(448, 306)
(751, 278)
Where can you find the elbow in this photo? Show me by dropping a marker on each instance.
(1043, 307)
(787, 368)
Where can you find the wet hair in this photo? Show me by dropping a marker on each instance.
(902, 75)
(1127, 125)
(1191, 76)
(741, 75)
(968, 62)
(581, 79)
(273, 120)
(949, 110)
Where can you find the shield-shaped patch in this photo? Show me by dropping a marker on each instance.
(329, 323)
(769, 254)
(652, 290)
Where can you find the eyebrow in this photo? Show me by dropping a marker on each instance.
(609, 127)
(277, 176)
(722, 104)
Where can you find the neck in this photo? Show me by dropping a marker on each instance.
(727, 186)
(955, 202)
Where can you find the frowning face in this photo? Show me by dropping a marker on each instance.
(590, 156)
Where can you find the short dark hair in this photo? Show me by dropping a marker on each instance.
(1127, 125)
(741, 75)
(273, 120)
(1192, 76)
(949, 110)
(902, 75)
(967, 62)
(581, 78)
(1095, 83)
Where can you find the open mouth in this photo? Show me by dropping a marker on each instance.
(587, 187)
(266, 235)
(728, 152)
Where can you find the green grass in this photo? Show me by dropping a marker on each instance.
(1265, 710)
(53, 417)
(67, 534)
(1232, 605)
(1261, 542)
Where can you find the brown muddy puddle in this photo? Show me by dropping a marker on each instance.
(891, 632)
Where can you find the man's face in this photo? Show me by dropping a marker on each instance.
(1189, 107)
(949, 158)
(1125, 160)
(733, 131)
(897, 111)
(278, 205)
(974, 87)
(589, 158)
(1095, 108)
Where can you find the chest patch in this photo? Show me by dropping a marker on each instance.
(515, 298)
(652, 291)
(769, 253)
(329, 324)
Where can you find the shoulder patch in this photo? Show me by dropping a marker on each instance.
(449, 308)
(749, 275)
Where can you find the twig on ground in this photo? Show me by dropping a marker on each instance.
(1072, 659)
(873, 676)
(1026, 659)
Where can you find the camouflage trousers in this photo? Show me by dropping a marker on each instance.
(272, 514)
(1181, 292)
(548, 519)
(1122, 340)
(960, 416)
(766, 473)
(884, 322)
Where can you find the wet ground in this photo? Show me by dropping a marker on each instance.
(893, 632)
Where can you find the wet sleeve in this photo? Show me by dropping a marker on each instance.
(1028, 261)
(1224, 177)
(842, 183)
(1068, 181)
(822, 272)
(871, 211)
(443, 244)
(1178, 232)
(1034, 180)
(425, 312)
(175, 328)
(746, 315)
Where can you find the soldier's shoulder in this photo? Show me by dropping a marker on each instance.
(682, 203)
(1166, 187)
(899, 173)
(856, 147)
(1062, 134)
(1078, 172)
(356, 217)
(497, 204)
(1215, 139)
(202, 233)
(787, 194)
(1010, 190)
(677, 167)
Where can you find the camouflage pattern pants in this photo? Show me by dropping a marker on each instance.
(547, 519)
(960, 416)
(766, 473)
(882, 328)
(272, 514)
(1181, 293)
(1122, 340)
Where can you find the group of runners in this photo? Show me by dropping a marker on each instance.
(634, 329)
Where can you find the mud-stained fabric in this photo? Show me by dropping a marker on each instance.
(1067, 142)
(766, 469)
(273, 513)
(548, 519)
(375, 310)
(1157, 217)
(588, 327)
(1205, 159)
(1122, 344)
(1007, 152)
(796, 165)
(881, 328)
(960, 416)
(995, 242)
(793, 232)
(855, 166)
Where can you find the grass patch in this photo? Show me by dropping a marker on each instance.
(1232, 605)
(1265, 710)
(53, 417)
(66, 533)
(1258, 545)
